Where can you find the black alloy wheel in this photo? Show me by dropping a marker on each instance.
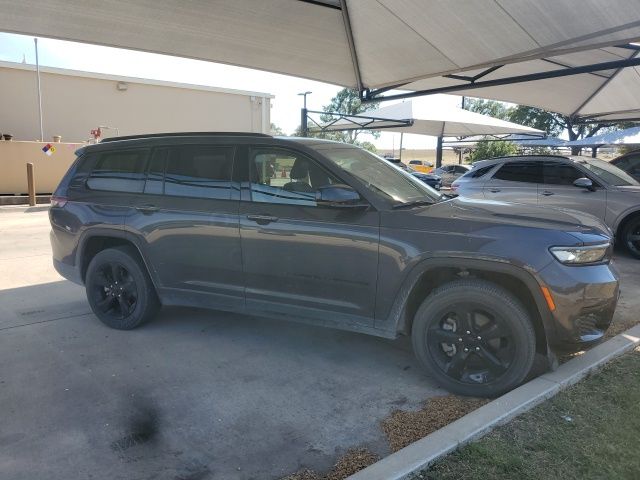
(474, 338)
(631, 236)
(119, 289)
(114, 290)
(470, 344)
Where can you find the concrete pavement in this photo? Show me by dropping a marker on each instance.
(192, 395)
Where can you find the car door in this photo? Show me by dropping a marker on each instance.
(302, 259)
(187, 219)
(558, 190)
(515, 181)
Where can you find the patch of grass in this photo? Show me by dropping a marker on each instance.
(589, 431)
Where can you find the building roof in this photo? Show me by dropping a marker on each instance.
(126, 79)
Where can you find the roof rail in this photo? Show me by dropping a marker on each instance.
(185, 134)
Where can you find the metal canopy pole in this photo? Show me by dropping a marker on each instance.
(401, 138)
(352, 45)
(35, 41)
(439, 152)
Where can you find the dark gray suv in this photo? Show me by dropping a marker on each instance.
(330, 234)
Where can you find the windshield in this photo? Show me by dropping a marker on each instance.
(607, 172)
(378, 174)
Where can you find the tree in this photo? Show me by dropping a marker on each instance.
(490, 149)
(487, 107)
(347, 102)
(276, 130)
(550, 122)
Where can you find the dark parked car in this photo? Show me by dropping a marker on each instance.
(629, 163)
(348, 241)
(450, 173)
(580, 183)
(434, 181)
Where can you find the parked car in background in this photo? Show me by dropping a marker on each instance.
(630, 163)
(579, 183)
(423, 166)
(348, 241)
(450, 173)
(434, 181)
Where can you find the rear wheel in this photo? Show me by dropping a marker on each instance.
(474, 338)
(119, 289)
(631, 236)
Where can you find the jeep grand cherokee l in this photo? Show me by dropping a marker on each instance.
(343, 240)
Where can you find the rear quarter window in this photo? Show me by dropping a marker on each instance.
(119, 171)
(479, 172)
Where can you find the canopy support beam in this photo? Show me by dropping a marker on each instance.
(352, 45)
(372, 96)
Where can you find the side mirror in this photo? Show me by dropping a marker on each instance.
(584, 182)
(338, 196)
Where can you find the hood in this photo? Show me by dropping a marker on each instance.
(470, 216)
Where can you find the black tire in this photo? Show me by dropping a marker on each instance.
(631, 236)
(119, 289)
(474, 338)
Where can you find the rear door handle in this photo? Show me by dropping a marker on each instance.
(147, 209)
(262, 219)
(547, 193)
(494, 190)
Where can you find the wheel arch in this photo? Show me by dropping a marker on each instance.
(94, 241)
(435, 272)
(624, 218)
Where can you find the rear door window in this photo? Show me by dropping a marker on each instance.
(199, 171)
(525, 172)
(119, 171)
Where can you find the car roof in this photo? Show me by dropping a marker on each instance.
(527, 158)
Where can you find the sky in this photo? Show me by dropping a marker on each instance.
(285, 110)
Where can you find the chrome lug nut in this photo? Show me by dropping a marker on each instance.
(477, 349)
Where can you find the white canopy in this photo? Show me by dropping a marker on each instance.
(440, 122)
(357, 43)
(599, 95)
(629, 136)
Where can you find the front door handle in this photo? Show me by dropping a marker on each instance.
(262, 219)
(547, 193)
(494, 190)
(147, 209)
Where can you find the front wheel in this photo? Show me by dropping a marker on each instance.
(119, 289)
(631, 236)
(474, 338)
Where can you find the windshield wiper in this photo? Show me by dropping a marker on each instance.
(413, 203)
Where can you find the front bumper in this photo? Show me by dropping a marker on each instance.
(585, 300)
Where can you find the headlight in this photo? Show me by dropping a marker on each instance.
(580, 255)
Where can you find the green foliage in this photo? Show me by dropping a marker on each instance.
(550, 122)
(490, 149)
(276, 130)
(487, 107)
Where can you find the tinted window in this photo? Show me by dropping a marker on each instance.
(459, 169)
(119, 171)
(560, 173)
(607, 172)
(415, 162)
(480, 172)
(155, 172)
(201, 171)
(283, 176)
(529, 172)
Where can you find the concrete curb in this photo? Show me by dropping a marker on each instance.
(419, 455)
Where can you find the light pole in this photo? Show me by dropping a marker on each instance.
(303, 115)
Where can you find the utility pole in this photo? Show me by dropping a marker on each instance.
(303, 115)
(35, 41)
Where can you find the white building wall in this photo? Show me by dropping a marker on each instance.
(74, 103)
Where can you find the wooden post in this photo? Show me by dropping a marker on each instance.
(30, 185)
